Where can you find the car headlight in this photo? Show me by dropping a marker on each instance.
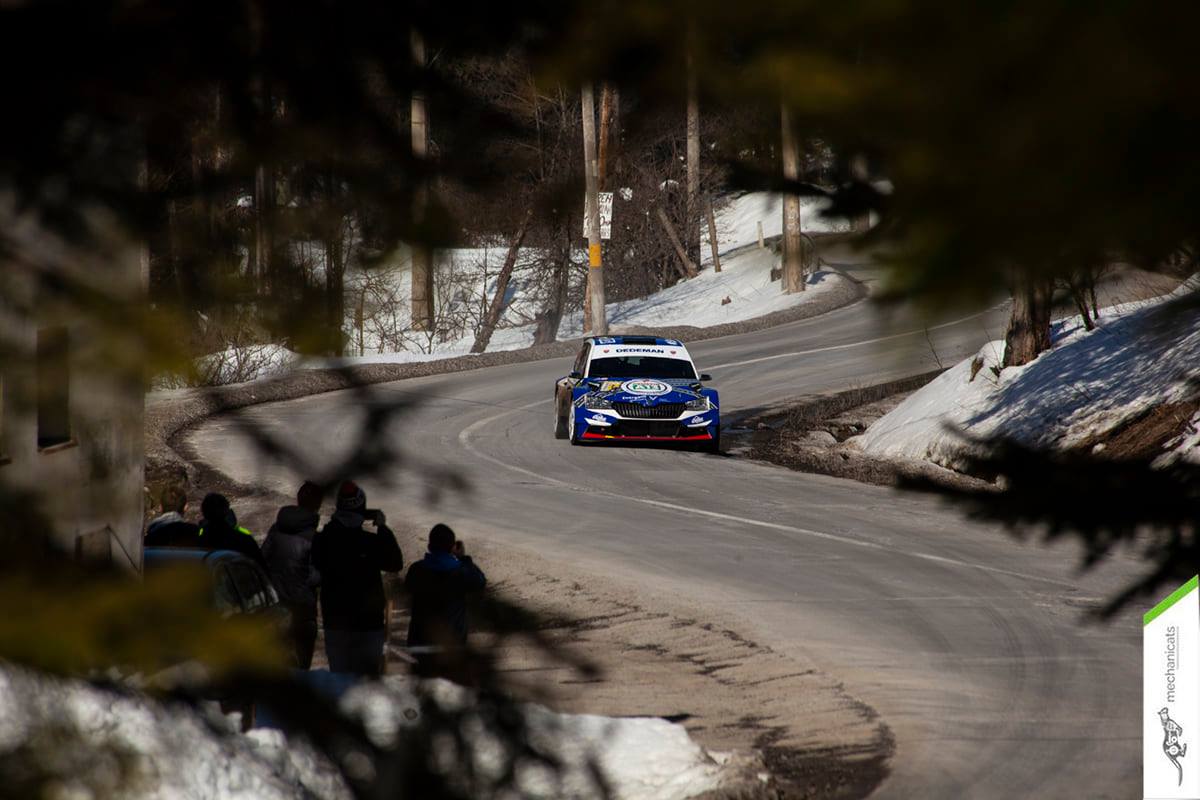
(699, 404)
(596, 401)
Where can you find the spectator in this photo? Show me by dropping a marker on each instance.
(288, 552)
(219, 529)
(170, 529)
(350, 560)
(439, 585)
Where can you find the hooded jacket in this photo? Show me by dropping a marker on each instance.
(171, 530)
(288, 552)
(439, 585)
(349, 560)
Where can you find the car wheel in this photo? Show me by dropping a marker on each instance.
(560, 424)
(571, 426)
(713, 445)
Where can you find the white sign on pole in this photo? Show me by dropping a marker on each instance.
(1171, 696)
(606, 205)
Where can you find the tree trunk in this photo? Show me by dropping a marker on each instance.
(551, 316)
(712, 237)
(793, 256)
(1029, 327)
(497, 306)
(691, 229)
(422, 255)
(607, 117)
(686, 268)
(335, 293)
(599, 325)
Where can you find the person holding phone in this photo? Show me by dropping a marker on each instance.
(438, 586)
(350, 560)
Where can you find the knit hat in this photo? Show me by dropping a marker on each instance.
(350, 497)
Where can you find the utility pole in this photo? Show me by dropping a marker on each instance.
(793, 256)
(422, 256)
(592, 212)
(692, 228)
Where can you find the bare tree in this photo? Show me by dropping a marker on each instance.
(497, 305)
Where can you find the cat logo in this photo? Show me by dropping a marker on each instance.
(1172, 747)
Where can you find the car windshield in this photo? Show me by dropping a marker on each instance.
(641, 367)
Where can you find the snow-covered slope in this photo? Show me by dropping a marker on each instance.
(1140, 356)
(737, 220)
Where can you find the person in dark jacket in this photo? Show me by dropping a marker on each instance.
(219, 529)
(170, 529)
(350, 560)
(288, 552)
(438, 585)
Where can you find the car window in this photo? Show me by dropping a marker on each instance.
(641, 367)
(581, 360)
(225, 593)
(255, 593)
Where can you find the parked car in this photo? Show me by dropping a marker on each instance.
(240, 586)
(636, 388)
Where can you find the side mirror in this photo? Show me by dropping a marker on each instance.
(704, 376)
(575, 374)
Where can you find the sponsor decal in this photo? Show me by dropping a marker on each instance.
(606, 340)
(610, 386)
(646, 388)
(1171, 694)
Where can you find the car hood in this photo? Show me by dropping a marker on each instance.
(645, 391)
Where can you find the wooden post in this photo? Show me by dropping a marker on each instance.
(712, 237)
(793, 256)
(592, 208)
(359, 322)
(761, 243)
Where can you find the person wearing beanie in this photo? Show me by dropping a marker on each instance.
(219, 529)
(438, 586)
(350, 560)
(288, 551)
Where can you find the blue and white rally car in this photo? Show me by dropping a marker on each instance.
(636, 389)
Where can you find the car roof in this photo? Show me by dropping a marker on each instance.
(655, 340)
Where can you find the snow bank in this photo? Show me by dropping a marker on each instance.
(77, 740)
(1140, 356)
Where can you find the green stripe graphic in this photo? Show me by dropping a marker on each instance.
(1171, 599)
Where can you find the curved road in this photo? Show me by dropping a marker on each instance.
(967, 642)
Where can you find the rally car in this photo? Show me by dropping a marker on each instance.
(636, 389)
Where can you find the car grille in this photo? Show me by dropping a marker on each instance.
(624, 428)
(660, 411)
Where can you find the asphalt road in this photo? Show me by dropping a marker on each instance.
(967, 642)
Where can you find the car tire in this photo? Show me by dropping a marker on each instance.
(713, 446)
(560, 425)
(571, 426)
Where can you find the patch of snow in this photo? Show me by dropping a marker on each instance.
(1091, 382)
(106, 743)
